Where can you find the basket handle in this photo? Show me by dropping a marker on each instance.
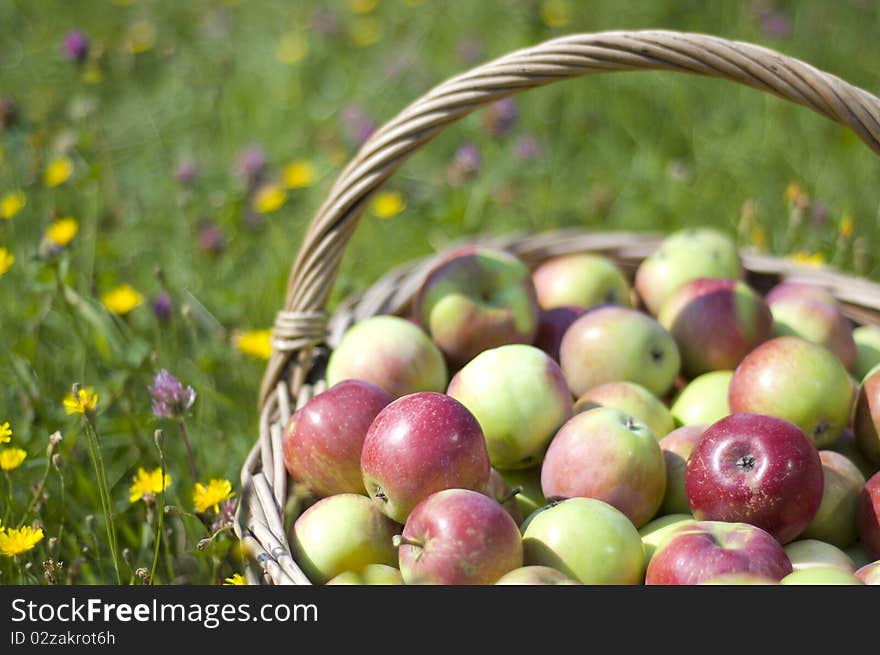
(301, 324)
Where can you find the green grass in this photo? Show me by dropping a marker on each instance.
(644, 151)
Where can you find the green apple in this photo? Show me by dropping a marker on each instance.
(867, 339)
(655, 532)
(633, 399)
(739, 579)
(390, 352)
(812, 553)
(371, 574)
(345, 532)
(866, 422)
(676, 448)
(835, 522)
(847, 445)
(586, 539)
(528, 481)
(582, 279)
(820, 575)
(535, 575)
(520, 398)
(703, 400)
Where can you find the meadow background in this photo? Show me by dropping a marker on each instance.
(159, 161)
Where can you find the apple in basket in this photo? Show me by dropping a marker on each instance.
(677, 447)
(755, 469)
(812, 553)
(632, 399)
(582, 279)
(552, 324)
(835, 522)
(535, 575)
(869, 516)
(821, 575)
(869, 573)
(866, 423)
(458, 537)
(867, 340)
(323, 439)
(476, 298)
(699, 551)
(390, 352)
(611, 343)
(419, 444)
(703, 400)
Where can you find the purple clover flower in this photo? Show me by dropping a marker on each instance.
(252, 164)
(162, 306)
(76, 46)
(226, 515)
(170, 398)
(211, 238)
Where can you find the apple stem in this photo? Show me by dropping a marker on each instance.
(399, 540)
(513, 493)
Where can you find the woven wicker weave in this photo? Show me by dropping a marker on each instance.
(304, 333)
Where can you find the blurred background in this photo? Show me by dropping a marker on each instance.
(160, 160)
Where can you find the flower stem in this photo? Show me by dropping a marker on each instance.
(189, 453)
(38, 491)
(97, 458)
(160, 516)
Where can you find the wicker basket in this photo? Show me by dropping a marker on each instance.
(304, 333)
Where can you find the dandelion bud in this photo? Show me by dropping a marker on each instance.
(126, 556)
(57, 462)
(142, 573)
(204, 543)
(55, 438)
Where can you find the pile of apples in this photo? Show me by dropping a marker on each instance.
(571, 425)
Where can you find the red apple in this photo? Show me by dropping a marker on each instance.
(756, 469)
(419, 444)
(458, 537)
(869, 516)
(323, 439)
(866, 423)
(704, 550)
(552, 324)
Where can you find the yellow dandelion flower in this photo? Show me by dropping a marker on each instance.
(210, 496)
(388, 204)
(268, 198)
(92, 73)
(11, 458)
(236, 579)
(85, 401)
(792, 192)
(256, 343)
(15, 541)
(7, 259)
(363, 6)
(814, 260)
(366, 31)
(555, 13)
(292, 48)
(146, 484)
(847, 226)
(141, 37)
(758, 237)
(57, 172)
(122, 299)
(62, 231)
(299, 174)
(11, 204)
(5, 432)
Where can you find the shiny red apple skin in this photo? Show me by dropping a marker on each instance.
(700, 551)
(756, 469)
(869, 516)
(323, 439)
(419, 444)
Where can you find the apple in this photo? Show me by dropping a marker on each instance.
(676, 448)
(552, 324)
(535, 575)
(390, 352)
(345, 532)
(682, 256)
(869, 573)
(869, 516)
(739, 579)
(632, 399)
(846, 445)
(520, 398)
(498, 490)
(583, 279)
(812, 313)
(715, 323)
(458, 537)
(606, 454)
(322, 440)
(835, 522)
(866, 422)
(703, 400)
(655, 532)
(371, 574)
(419, 444)
(611, 344)
(821, 575)
(867, 340)
(587, 540)
(797, 380)
(810, 553)
(757, 469)
(705, 550)
(528, 481)
(476, 298)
